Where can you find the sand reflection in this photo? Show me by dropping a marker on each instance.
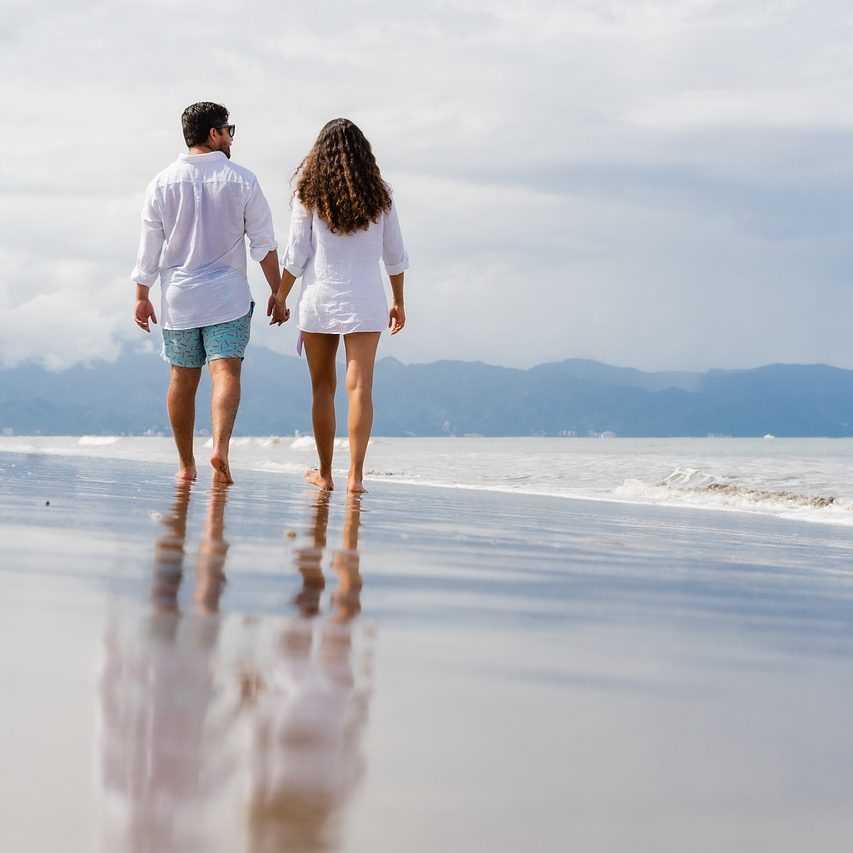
(157, 693)
(310, 709)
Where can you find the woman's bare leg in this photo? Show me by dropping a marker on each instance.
(361, 356)
(320, 350)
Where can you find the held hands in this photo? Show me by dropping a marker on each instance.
(396, 318)
(278, 310)
(144, 312)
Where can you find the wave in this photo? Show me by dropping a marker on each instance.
(98, 440)
(250, 441)
(693, 487)
(787, 498)
(698, 482)
(306, 442)
(683, 487)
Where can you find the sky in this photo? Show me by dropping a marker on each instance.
(661, 184)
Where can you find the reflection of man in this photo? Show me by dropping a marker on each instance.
(159, 755)
(196, 216)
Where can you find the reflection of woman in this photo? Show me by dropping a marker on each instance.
(343, 222)
(310, 711)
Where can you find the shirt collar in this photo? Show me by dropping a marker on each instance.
(202, 158)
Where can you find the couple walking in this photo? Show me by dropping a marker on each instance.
(197, 215)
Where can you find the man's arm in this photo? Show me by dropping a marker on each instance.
(269, 266)
(148, 261)
(257, 220)
(144, 309)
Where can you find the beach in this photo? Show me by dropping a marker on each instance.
(270, 667)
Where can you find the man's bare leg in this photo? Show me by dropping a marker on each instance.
(224, 402)
(361, 356)
(320, 350)
(180, 402)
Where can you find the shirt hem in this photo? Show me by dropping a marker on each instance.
(183, 328)
(340, 331)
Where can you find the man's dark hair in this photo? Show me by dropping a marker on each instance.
(197, 120)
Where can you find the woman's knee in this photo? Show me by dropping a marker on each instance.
(360, 386)
(324, 384)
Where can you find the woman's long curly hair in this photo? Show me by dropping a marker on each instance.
(340, 179)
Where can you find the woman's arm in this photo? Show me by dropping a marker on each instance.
(396, 260)
(296, 257)
(280, 311)
(397, 314)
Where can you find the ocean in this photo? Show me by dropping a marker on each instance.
(806, 479)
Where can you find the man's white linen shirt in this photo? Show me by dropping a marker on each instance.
(196, 216)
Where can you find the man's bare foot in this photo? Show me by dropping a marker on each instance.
(186, 473)
(221, 471)
(313, 476)
(355, 486)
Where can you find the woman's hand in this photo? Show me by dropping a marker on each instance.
(396, 317)
(280, 312)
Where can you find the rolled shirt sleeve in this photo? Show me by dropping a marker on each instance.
(299, 243)
(259, 227)
(150, 243)
(394, 255)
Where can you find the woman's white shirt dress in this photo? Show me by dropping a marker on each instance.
(342, 286)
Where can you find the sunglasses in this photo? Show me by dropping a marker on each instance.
(231, 128)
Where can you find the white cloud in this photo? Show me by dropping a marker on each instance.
(650, 182)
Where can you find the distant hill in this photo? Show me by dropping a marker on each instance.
(576, 396)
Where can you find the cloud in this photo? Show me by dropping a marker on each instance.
(656, 182)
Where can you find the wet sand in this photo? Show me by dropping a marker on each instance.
(270, 668)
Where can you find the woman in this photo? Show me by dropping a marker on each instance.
(343, 222)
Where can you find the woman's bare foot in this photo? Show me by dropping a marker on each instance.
(315, 478)
(221, 471)
(186, 473)
(356, 486)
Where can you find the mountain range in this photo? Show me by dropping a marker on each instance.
(572, 397)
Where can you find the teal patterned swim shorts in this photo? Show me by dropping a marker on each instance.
(193, 347)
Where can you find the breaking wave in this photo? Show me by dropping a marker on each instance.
(693, 487)
(98, 440)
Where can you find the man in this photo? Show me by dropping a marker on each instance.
(196, 216)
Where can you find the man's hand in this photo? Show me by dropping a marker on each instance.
(396, 318)
(279, 311)
(143, 313)
(270, 305)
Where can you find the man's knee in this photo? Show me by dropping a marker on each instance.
(225, 367)
(185, 378)
(225, 374)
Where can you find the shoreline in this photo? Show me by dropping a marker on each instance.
(680, 488)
